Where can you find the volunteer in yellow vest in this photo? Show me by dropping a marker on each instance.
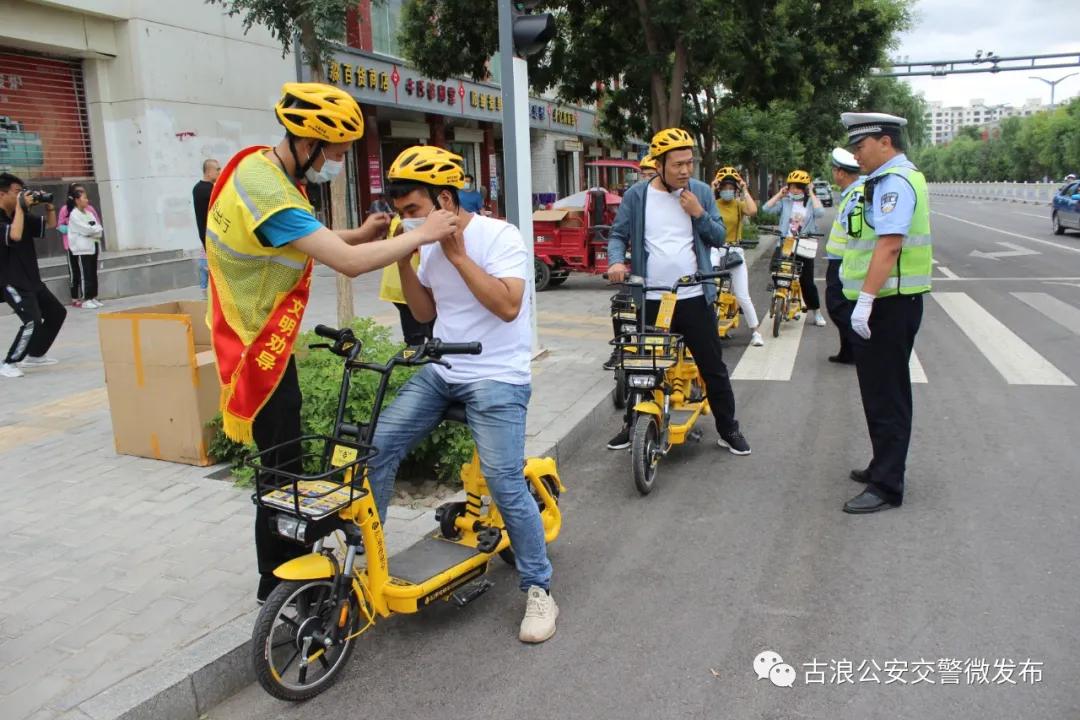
(413, 331)
(886, 269)
(846, 176)
(735, 204)
(261, 239)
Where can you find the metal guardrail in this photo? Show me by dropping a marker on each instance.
(1033, 193)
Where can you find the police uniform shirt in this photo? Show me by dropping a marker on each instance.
(893, 201)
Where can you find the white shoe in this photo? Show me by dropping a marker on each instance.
(540, 612)
(756, 340)
(9, 370)
(92, 304)
(31, 362)
(818, 319)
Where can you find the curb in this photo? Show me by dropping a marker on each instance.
(213, 668)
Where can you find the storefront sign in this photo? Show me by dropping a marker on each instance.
(377, 80)
(375, 175)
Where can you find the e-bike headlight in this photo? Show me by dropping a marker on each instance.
(290, 527)
(642, 381)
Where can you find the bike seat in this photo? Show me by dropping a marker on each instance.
(455, 412)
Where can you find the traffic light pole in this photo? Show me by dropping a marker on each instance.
(517, 159)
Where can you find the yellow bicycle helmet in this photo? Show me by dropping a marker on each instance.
(647, 163)
(429, 165)
(725, 173)
(668, 140)
(799, 176)
(323, 112)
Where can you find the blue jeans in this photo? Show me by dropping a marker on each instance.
(204, 273)
(496, 414)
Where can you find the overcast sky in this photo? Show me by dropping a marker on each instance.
(955, 29)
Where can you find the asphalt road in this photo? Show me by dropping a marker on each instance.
(666, 600)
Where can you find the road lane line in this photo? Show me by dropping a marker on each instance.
(1017, 361)
(1041, 217)
(776, 360)
(1059, 311)
(918, 375)
(948, 273)
(1006, 232)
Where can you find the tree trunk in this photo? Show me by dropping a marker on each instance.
(346, 308)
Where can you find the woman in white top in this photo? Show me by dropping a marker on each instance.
(800, 208)
(84, 236)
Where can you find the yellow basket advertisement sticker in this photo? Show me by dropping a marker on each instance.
(343, 456)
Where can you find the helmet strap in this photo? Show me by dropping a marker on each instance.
(661, 170)
(300, 171)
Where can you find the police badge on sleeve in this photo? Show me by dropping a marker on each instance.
(888, 202)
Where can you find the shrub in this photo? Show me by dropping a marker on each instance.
(440, 454)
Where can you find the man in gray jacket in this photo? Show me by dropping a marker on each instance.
(669, 224)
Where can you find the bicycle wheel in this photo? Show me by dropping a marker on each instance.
(507, 555)
(645, 450)
(290, 663)
(776, 311)
(619, 393)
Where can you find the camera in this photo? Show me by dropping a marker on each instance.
(39, 196)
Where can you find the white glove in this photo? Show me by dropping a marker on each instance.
(860, 316)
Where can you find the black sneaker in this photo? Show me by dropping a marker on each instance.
(735, 443)
(612, 362)
(620, 441)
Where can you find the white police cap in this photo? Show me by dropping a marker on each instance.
(844, 160)
(860, 125)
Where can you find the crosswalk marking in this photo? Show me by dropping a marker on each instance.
(918, 375)
(776, 360)
(1060, 312)
(1017, 361)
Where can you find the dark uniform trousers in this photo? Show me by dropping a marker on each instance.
(885, 385)
(839, 307)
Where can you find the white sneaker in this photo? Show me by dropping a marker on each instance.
(31, 362)
(818, 319)
(9, 370)
(756, 340)
(92, 304)
(540, 612)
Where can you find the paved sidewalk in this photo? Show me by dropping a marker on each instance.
(123, 579)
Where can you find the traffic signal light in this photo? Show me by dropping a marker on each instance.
(532, 31)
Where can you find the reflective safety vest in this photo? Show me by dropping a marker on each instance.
(257, 294)
(910, 275)
(838, 236)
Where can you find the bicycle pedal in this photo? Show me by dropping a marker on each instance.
(488, 539)
(695, 435)
(467, 593)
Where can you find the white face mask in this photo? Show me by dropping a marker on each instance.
(328, 172)
(411, 224)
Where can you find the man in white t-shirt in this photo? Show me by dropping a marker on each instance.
(473, 284)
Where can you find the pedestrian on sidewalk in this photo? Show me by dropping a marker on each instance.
(262, 238)
(846, 175)
(669, 224)
(200, 198)
(74, 267)
(41, 313)
(886, 271)
(800, 209)
(84, 233)
(471, 200)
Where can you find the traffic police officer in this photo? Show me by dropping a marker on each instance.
(846, 175)
(886, 270)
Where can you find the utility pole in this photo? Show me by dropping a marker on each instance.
(524, 34)
(1053, 85)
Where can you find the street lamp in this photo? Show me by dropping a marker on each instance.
(1053, 85)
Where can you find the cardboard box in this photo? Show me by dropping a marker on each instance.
(549, 215)
(162, 380)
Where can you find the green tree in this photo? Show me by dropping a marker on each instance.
(649, 61)
(893, 96)
(316, 24)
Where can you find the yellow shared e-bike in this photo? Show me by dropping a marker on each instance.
(666, 391)
(309, 624)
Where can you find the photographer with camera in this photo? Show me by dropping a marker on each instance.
(41, 313)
